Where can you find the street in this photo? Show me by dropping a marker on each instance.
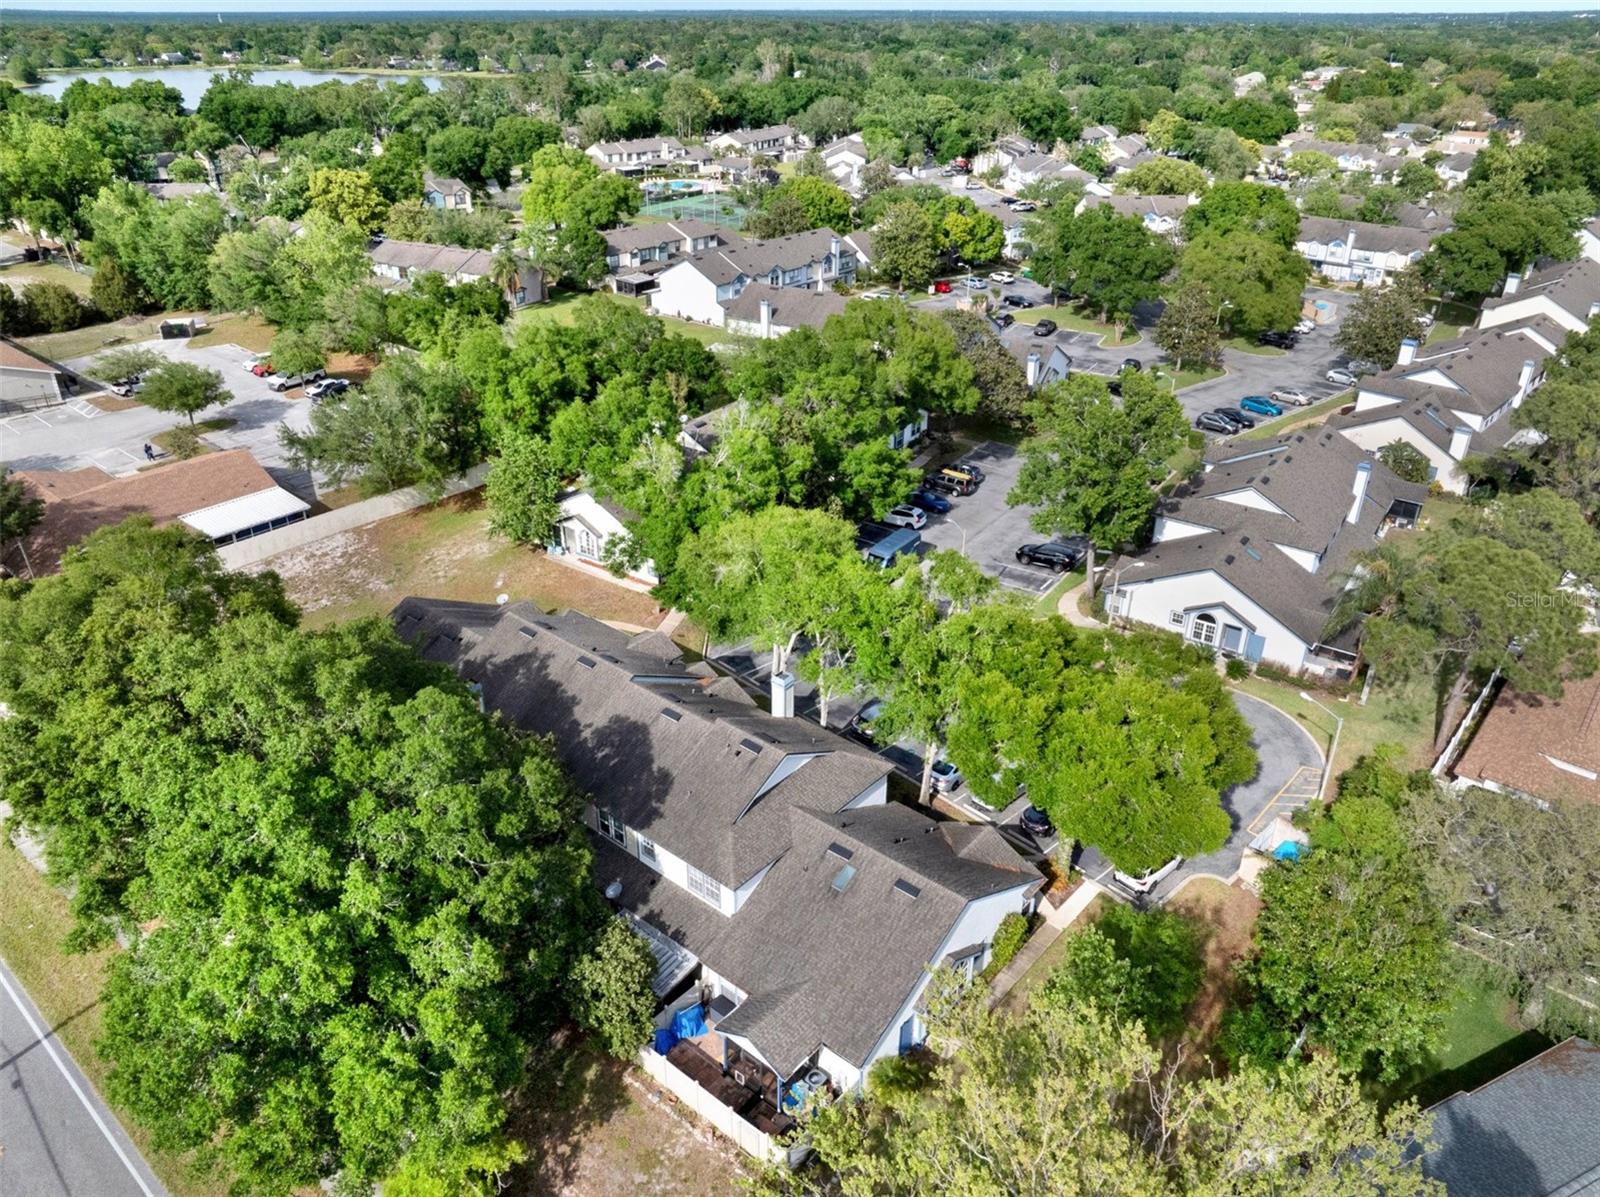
(57, 1138)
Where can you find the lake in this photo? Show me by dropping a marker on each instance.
(193, 81)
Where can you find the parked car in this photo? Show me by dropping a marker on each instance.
(1240, 420)
(944, 484)
(1017, 301)
(1002, 276)
(1305, 327)
(1005, 319)
(255, 359)
(1010, 201)
(1036, 823)
(261, 369)
(876, 295)
(1146, 882)
(905, 516)
(1132, 363)
(327, 389)
(974, 283)
(1209, 421)
(1024, 206)
(286, 382)
(1051, 555)
(1278, 340)
(1260, 405)
(1292, 396)
(1425, 320)
(931, 501)
(961, 470)
(942, 286)
(948, 172)
(974, 184)
(1044, 328)
(946, 777)
(123, 388)
(1340, 377)
(867, 716)
(1360, 366)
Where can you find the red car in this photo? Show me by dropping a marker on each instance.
(942, 287)
(261, 369)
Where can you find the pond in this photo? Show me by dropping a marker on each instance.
(193, 81)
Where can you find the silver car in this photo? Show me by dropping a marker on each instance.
(946, 777)
(1341, 377)
(1291, 396)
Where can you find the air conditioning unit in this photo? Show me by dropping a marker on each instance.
(739, 1077)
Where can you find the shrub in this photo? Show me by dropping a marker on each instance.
(894, 1078)
(50, 307)
(611, 995)
(115, 291)
(1008, 940)
(187, 170)
(11, 313)
(1237, 668)
(184, 442)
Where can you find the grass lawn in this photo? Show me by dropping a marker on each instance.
(1393, 715)
(1189, 378)
(1482, 1040)
(1073, 319)
(163, 440)
(246, 331)
(1296, 417)
(444, 550)
(66, 989)
(249, 332)
(1442, 332)
(21, 274)
(1247, 345)
(1051, 599)
(560, 309)
(1016, 1001)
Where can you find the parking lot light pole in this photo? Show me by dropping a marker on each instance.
(1333, 749)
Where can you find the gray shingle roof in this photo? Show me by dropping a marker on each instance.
(754, 258)
(693, 783)
(1529, 1133)
(1574, 286)
(1379, 238)
(1485, 366)
(792, 307)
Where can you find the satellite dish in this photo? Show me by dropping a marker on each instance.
(502, 599)
(614, 891)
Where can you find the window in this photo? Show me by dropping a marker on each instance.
(647, 852)
(1176, 619)
(611, 827)
(708, 889)
(1204, 630)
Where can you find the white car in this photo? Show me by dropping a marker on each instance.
(876, 295)
(1305, 327)
(906, 516)
(1292, 396)
(254, 360)
(1341, 377)
(1002, 276)
(1148, 881)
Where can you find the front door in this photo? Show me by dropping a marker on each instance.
(1232, 637)
(908, 1034)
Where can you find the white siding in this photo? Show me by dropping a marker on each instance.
(1305, 559)
(674, 868)
(1168, 528)
(1529, 307)
(1249, 498)
(684, 292)
(1154, 601)
(1373, 437)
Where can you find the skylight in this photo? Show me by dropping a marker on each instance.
(843, 878)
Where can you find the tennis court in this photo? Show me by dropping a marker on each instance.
(718, 209)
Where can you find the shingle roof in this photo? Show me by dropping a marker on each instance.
(425, 256)
(792, 307)
(1170, 206)
(1381, 238)
(1573, 286)
(1522, 732)
(754, 258)
(834, 965)
(1485, 368)
(79, 501)
(1529, 1133)
(752, 136)
(629, 237)
(15, 357)
(692, 782)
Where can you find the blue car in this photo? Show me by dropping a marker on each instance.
(1260, 405)
(930, 502)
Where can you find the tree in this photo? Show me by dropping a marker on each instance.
(1406, 460)
(905, 246)
(1136, 966)
(298, 352)
(348, 196)
(397, 172)
(688, 105)
(1251, 208)
(1116, 263)
(116, 292)
(1548, 525)
(1314, 164)
(1566, 457)
(611, 996)
(48, 173)
(1001, 381)
(50, 307)
(459, 152)
(968, 234)
(183, 387)
(414, 423)
(1382, 317)
(1352, 951)
(565, 202)
(801, 203)
(522, 490)
(1259, 279)
(20, 511)
(1189, 328)
(1162, 176)
(1456, 608)
(825, 118)
(1092, 464)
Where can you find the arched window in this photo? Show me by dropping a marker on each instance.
(1203, 630)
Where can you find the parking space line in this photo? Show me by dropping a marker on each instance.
(1308, 776)
(27, 415)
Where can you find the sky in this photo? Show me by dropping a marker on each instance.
(1006, 7)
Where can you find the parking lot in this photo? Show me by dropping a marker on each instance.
(79, 434)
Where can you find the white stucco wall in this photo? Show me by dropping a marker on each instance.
(684, 292)
(1206, 592)
(1373, 437)
(1524, 308)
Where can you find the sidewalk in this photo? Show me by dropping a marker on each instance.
(1056, 921)
(1067, 606)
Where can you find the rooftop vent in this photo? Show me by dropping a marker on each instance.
(1244, 540)
(528, 632)
(750, 744)
(905, 887)
(671, 714)
(586, 662)
(1228, 560)
(608, 657)
(839, 850)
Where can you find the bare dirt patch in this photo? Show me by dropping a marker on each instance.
(444, 550)
(1226, 916)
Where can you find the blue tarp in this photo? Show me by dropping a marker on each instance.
(665, 1039)
(686, 1024)
(1289, 850)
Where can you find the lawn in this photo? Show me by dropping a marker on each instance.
(1072, 318)
(248, 332)
(444, 550)
(1248, 345)
(66, 989)
(1297, 417)
(1189, 378)
(559, 309)
(1051, 599)
(1402, 715)
(1016, 1001)
(20, 274)
(1226, 916)
(1482, 1040)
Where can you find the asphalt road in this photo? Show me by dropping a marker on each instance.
(984, 528)
(57, 1138)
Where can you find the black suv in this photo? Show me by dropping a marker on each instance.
(1004, 319)
(1057, 555)
(1237, 418)
(1017, 301)
(1278, 340)
(1044, 328)
(1132, 363)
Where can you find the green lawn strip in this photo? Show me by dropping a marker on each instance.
(1295, 417)
(20, 274)
(93, 338)
(1398, 715)
(66, 988)
(1051, 599)
(1246, 345)
(1016, 1001)
(1189, 378)
(560, 309)
(1442, 332)
(1071, 318)
(1482, 1040)
(163, 440)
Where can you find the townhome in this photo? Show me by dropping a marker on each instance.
(773, 141)
(400, 262)
(1246, 83)
(794, 913)
(1463, 141)
(700, 286)
(1041, 363)
(1453, 399)
(1589, 240)
(1042, 168)
(1351, 159)
(1250, 558)
(1453, 169)
(638, 155)
(845, 159)
(594, 530)
(636, 253)
(1098, 134)
(1002, 154)
(1160, 213)
(1567, 293)
(1120, 149)
(439, 191)
(764, 311)
(1351, 251)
